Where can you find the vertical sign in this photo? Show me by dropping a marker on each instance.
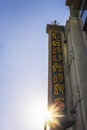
(58, 84)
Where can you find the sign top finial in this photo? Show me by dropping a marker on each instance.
(55, 22)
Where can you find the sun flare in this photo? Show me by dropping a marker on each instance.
(52, 116)
(49, 117)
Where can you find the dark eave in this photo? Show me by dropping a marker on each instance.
(69, 3)
(75, 4)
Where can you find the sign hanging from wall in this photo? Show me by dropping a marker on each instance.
(58, 84)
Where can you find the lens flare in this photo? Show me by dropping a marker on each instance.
(52, 116)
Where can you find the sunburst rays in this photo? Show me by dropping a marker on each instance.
(54, 113)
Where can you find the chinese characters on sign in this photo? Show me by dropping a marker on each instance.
(58, 85)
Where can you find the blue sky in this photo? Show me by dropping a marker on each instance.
(24, 60)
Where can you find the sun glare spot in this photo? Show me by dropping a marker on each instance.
(49, 117)
(52, 116)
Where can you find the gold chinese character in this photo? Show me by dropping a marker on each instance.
(56, 43)
(54, 35)
(54, 50)
(60, 58)
(60, 77)
(58, 88)
(60, 103)
(60, 99)
(59, 49)
(54, 58)
(60, 67)
(55, 66)
(55, 79)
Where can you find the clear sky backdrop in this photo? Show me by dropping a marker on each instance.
(24, 60)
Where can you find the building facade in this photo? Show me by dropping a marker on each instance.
(76, 37)
(67, 74)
